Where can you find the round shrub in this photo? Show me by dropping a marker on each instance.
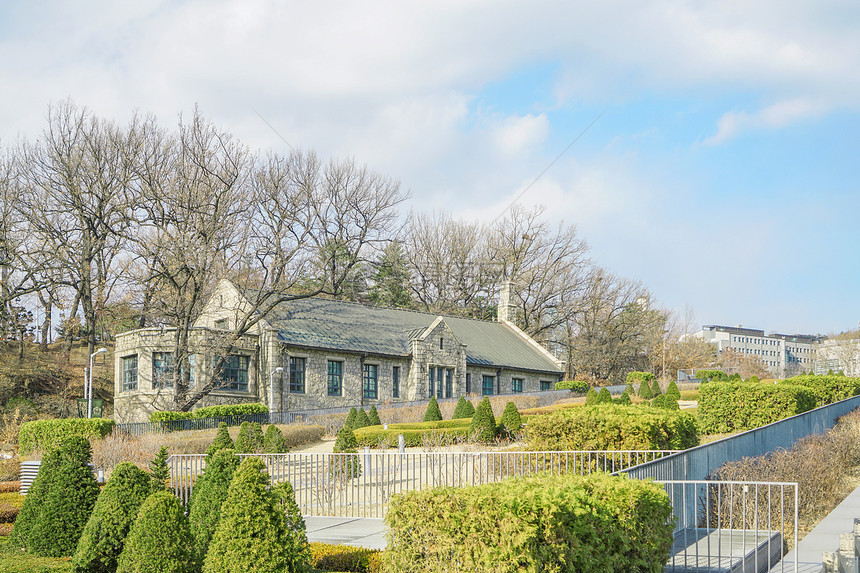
(361, 420)
(222, 440)
(350, 419)
(209, 493)
(274, 441)
(712, 375)
(642, 377)
(432, 414)
(160, 539)
(603, 397)
(464, 409)
(672, 391)
(113, 515)
(591, 397)
(251, 535)
(373, 416)
(483, 426)
(510, 423)
(68, 502)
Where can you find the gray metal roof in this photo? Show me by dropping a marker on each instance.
(353, 327)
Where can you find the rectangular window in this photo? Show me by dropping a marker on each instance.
(431, 371)
(162, 370)
(439, 381)
(468, 383)
(545, 385)
(487, 385)
(370, 385)
(234, 373)
(516, 385)
(129, 373)
(297, 375)
(395, 382)
(335, 377)
(449, 383)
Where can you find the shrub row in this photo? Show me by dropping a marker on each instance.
(633, 377)
(48, 434)
(328, 557)
(414, 434)
(612, 427)
(828, 389)
(573, 385)
(736, 406)
(219, 411)
(712, 375)
(546, 523)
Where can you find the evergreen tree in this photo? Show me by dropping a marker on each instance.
(483, 426)
(361, 420)
(244, 441)
(296, 539)
(603, 397)
(113, 515)
(68, 502)
(464, 409)
(629, 389)
(624, 399)
(432, 414)
(34, 501)
(251, 535)
(672, 391)
(645, 391)
(391, 278)
(373, 416)
(160, 540)
(510, 423)
(655, 388)
(350, 419)
(256, 437)
(209, 493)
(222, 440)
(158, 470)
(345, 441)
(345, 467)
(591, 397)
(274, 441)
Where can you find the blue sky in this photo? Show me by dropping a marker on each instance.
(722, 173)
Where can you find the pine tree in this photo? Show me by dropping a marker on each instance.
(483, 426)
(391, 279)
(361, 420)
(373, 416)
(158, 470)
(274, 441)
(350, 419)
(251, 535)
(68, 502)
(510, 423)
(113, 515)
(432, 414)
(209, 493)
(160, 540)
(222, 441)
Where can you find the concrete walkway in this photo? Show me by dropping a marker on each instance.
(366, 532)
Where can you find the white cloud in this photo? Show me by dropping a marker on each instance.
(515, 134)
(775, 116)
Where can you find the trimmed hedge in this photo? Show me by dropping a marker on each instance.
(736, 406)
(556, 523)
(231, 410)
(48, 434)
(159, 540)
(612, 427)
(712, 375)
(328, 557)
(828, 389)
(413, 433)
(639, 377)
(577, 386)
(167, 416)
(464, 409)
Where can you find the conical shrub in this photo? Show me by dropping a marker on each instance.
(209, 493)
(274, 441)
(655, 388)
(350, 419)
(432, 413)
(373, 416)
(158, 470)
(68, 502)
(629, 389)
(244, 442)
(251, 535)
(160, 540)
(624, 399)
(645, 391)
(35, 498)
(483, 425)
(345, 441)
(361, 420)
(462, 409)
(345, 467)
(296, 539)
(113, 515)
(591, 397)
(222, 440)
(603, 397)
(672, 391)
(510, 423)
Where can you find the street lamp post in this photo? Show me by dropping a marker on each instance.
(277, 370)
(90, 393)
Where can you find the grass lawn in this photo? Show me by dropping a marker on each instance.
(13, 560)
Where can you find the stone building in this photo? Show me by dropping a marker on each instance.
(333, 353)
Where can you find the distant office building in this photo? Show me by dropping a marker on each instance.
(782, 354)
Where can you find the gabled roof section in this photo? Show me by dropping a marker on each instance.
(352, 327)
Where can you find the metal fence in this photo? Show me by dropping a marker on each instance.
(732, 526)
(361, 484)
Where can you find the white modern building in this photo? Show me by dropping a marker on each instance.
(783, 354)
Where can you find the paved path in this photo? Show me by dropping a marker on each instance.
(366, 532)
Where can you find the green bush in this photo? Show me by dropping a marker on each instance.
(603, 397)
(345, 467)
(624, 399)
(47, 434)
(665, 402)
(735, 406)
(712, 375)
(250, 438)
(222, 441)
(432, 414)
(251, 535)
(361, 420)
(65, 503)
(483, 425)
(208, 495)
(295, 531)
(329, 557)
(611, 427)
(223, 411)
(629, 389)
(655, 388)
(752, 378)
(274, 441)
(345, 441)
(35, 499)
(464, 409)
(586, 524)
(350, 419)
(167, 416)
(828, 389)
(113, 515)
(414, 434)
(645, 391)
(672, 391)
(591, 397)
(577, 386)
(510, 423)
(373, 416)
(160, 540)
(634, 377)
(158, 471)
